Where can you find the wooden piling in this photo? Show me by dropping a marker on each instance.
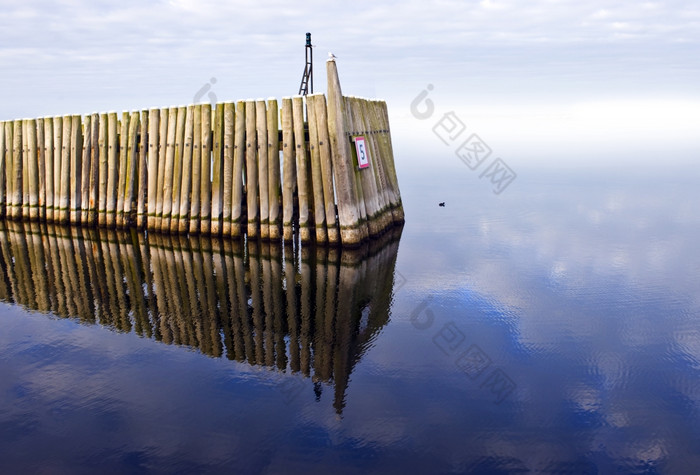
(205, 171)
(41, 171)
(57, 160)
(365, 176)
(168, 172)
(196, 201)
(324, 146)
(239, 154)
(304, 193)
(141, 195)
(25, 168)
(229, 124)
(384, 189)
(132, 172)
(33, 171)
(186, 186)
(273, 169)
(123, 169)
(177, 169)
(18, 175)
(3, 165)
(263, 179)
(289, 169)
(162, 153)
(352, 229)
(316, 179)
(7, 154)
(153, 141)
(217, 188)
(251, 185)
(382, 113)
(48, 167)
(94, 190)
(112, 169)
(75, 178)
(85, 171)
(102, 172)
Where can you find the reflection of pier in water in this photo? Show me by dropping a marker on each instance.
(260, 303)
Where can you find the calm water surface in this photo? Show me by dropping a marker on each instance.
(554, 328)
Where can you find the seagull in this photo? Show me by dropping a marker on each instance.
(331, 56)
(442, 204)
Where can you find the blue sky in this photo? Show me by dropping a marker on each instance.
(601, 79)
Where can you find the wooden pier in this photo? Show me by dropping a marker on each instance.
(270, 171)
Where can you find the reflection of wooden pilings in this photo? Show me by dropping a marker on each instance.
(192, 290)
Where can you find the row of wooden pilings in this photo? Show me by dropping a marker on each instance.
(225, 169)
(310, 310)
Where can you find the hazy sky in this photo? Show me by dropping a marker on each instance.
(531, 76)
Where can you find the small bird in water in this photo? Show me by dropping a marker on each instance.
(442, 204)
(331, 56)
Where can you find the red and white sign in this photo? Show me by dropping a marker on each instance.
(362, 152)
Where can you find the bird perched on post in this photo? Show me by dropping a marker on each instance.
(331, 56)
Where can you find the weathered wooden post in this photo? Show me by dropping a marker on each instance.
(33, 171)
(112, 169)
(153, 141)
(302, 165)
(177, 170)
(186, 187)
(352, 229)
(262, 158)
(324, 146)
(217, 170)
(2, 170)
(196, 200)
(273, 169)
(76, 158)
(168, 177)
(102, 172)
(388, 154)
(316, 178)
(251, 170)
(229, 125)
(94, 194)
(48, 164)
(238, 170)
(289, 166)
(141, 199)
(123, 164)
(41, 157)
(57, 154)
(85, 171)
(162, 153)
(17, 162)
(205, 173)
(132, 171)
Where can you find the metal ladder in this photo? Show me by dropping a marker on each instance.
(308, 77)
